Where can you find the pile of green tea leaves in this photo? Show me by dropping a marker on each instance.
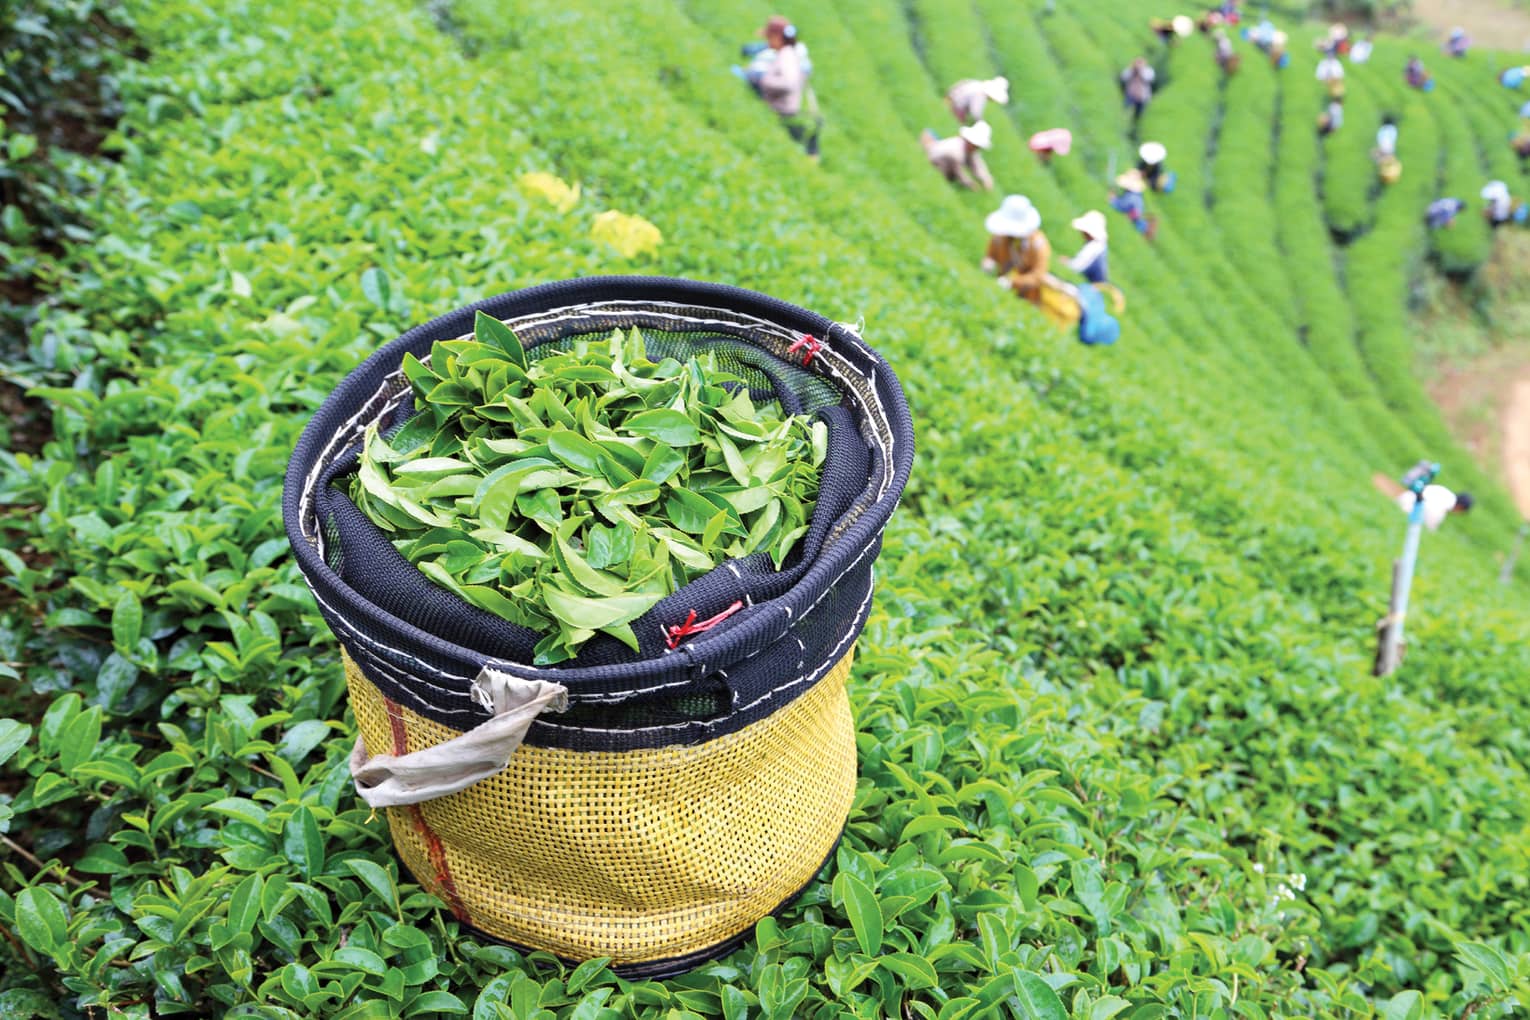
(570, 493)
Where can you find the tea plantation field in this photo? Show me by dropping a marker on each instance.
(1121, 754)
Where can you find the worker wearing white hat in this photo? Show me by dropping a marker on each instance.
(1386, 138)
(959, 158)
(1330, 71)
(1500, 207)
(967, 97)
(1018, 252)
(1172, 29)
(1150, 160)
(1090, 260)
(1278, 56)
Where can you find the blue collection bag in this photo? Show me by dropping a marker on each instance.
(1096, 326)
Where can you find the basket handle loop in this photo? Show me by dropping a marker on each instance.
(386, 780)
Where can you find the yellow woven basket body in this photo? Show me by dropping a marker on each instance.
(645, 856)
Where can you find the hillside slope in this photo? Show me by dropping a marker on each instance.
(1120, 750)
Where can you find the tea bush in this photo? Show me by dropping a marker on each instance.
(58, 103)
(1120, 754)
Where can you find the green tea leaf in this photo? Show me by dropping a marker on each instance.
(733, 459)
(1036, 998)
(764, 528)
(430, 468)
(13, 737)
(664, 426)
(496, 494)
(915, 971)
(583, 613)
(40, 920)
(376, 878)
(364, 960)
(421, 378)
(542, 506)
(1487, 961)
(635, 493)
(574, 566)
(302, 842)
(688, 511)
(608, 547)
(489, 330)
(864, 912)
(79, 739)
(490, 600)
(1089, 887)
(127, 623)
(575, 451)
(302, 738)
(1108, 1006)
(375, 288)
(102, 859)
(662, 463)
(244, 903)
(1407, 1005)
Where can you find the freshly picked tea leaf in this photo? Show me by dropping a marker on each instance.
(568, 491)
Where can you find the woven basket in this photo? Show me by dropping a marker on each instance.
(653, 806)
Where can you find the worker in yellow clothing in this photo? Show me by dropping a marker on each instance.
(1019, 254)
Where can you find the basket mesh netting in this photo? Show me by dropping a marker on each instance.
(653, 805)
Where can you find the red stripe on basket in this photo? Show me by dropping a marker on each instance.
(396, 720)
(433, 847)
(437, 854)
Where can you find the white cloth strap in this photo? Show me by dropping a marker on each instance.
(386, 780)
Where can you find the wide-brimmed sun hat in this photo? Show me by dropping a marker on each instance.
(1153, 153)
(1091, 223)
(1015, 217)
(1058, 140)
(997, 89)
(1183, 26)
(1279, 39)
(1494, 189)
(979, 134)
(1132, 180)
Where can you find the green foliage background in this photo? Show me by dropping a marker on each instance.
(1120, 752)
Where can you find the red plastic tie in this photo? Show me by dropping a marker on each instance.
(680, 631)
(808, 343)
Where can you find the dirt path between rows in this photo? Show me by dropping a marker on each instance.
(1516, 442)
(1486, 403)
(1488, 22)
